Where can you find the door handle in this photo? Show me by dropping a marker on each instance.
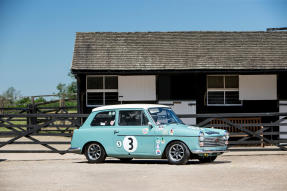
(116, 131)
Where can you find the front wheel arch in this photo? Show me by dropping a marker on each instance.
(163, 156)
(177, 153)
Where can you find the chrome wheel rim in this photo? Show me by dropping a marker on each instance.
(94, 151)
(176, 152)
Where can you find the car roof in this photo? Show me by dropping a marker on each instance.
(128, 106)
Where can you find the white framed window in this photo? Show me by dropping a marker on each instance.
(223, 90)
(101, 90)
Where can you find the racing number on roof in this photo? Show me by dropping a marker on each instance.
(130, 143)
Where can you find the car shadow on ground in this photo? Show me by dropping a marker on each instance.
(2, 160)
(256, 155)
(142, 161)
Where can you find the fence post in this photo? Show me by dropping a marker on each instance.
(62, 106)
(31, 120)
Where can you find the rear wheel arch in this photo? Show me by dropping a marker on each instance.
(87, 143)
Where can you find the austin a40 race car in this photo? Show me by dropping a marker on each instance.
(148, 131)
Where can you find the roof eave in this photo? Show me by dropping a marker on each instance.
(169, 71)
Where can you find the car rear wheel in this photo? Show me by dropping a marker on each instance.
(177, 153)
(207, 159)
(95, 153)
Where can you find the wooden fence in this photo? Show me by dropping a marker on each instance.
(24, 123)
(256, 132)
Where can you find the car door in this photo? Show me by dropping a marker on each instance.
(101, 129)
(132, 135)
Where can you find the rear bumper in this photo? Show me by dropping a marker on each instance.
(75, 150)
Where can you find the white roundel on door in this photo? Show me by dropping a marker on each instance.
(130, 144)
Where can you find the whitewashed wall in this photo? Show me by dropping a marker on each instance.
(184, 108)
(137, 88)
(257, 87)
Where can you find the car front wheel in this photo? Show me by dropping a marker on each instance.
(177, 153)
(95, 153)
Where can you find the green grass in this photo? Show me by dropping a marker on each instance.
(4, 129)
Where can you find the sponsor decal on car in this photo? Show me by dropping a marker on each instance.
(119, 143)
(158, 152)
(171, 132)
(145, 131)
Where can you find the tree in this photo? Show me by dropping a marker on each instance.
(11, 95)
(62, 89)
(72, 87)
(67, 90)
(40, 100)
(24, 101)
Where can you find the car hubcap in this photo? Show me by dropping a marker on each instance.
(176, 152)
(94, 151)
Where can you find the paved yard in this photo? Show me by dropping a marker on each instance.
(231, 171)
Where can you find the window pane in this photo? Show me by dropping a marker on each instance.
(144, 119)
(104, 119)
(232, 97)
(215, 82)
(95, 83)
(111, 82)
(111, 98)
(130, 118)
(231, 82)
(215, 97)
(95, 98)
(161, 117)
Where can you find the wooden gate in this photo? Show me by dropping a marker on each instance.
(24, 123)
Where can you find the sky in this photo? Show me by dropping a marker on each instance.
(37, 36)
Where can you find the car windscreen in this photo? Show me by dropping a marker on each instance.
(163, 116)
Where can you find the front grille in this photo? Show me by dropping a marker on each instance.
(214, 141)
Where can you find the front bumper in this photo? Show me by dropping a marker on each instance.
(208, 151)
(75, 150)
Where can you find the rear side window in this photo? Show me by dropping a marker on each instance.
(132, 118)
(106, 118)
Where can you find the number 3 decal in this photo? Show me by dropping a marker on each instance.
(130, 144)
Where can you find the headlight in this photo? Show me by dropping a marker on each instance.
(201, 138)
(201, 135)
(226, 136)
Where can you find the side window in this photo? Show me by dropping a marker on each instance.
(106, 118)
(132, 118)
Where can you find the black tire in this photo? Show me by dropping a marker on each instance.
(126, 159)
(95, 153)
(207, 159)
(177, 153)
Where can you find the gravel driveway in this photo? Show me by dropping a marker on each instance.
(231, 171)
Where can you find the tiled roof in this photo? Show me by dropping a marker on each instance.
(179, 50)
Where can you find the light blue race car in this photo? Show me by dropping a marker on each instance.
(146, 131)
